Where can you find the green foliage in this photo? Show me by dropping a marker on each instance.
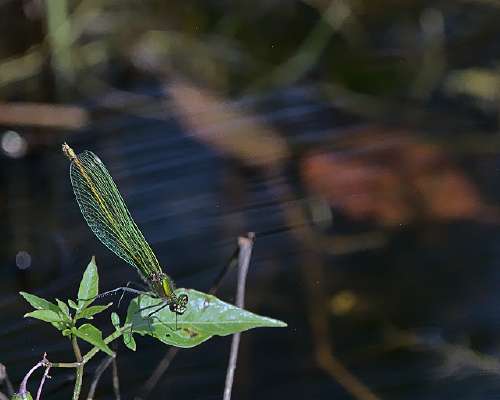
(205, 317)
(89, 286)
(92, 335)
(61, 317)
(22, 396)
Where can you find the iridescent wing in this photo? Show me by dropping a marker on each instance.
(106, 213)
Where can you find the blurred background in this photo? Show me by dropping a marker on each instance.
(359, 140)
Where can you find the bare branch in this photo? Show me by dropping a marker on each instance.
(246, 246)
(172, 352)
(116, 380)
(4, 377)
(44, 377)
(105, 363)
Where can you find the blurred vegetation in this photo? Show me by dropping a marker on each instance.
(395, 179)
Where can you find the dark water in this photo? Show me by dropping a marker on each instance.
(438, 281)
(378, 236)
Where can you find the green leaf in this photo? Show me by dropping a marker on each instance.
(92, 310)
(46, 315)
(205, 317)
(64, 310)
(129, 341)
(92, 335)
(38, 302)
(72, 304)
(89, 286)
(21, 396)
(128, 338)
(115, 320)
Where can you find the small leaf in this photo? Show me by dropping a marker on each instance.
(92, 310)
(205, 317)
(22, 396)
(115, 320)
(128, 338)
(64, 310)
(45, 315)
(38, 302)
(89, 286)
(92, 335)
(129, 341)
(66, 332)
(72, 304)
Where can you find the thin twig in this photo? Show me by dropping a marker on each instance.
(158, 372)
(246, 245)
(44, 377)
(5, 378)
(43, 363)
(172, 352)
(116, 380)
(105, 363)
(233, 261)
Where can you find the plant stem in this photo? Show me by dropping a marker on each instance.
(4, 377)
(24, 382)
(79, 368)
(116, 334)
(246, 245)
(172, 352)
(44, 377)
(43, 363)
(97, 377)
(116, 381)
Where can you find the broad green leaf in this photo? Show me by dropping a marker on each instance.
(89, 286)
(22, 396)
(92, 335)
(92, 310)
(46, 315)
(39, 303)
(205, 317)
(64, 310)
(72, 304)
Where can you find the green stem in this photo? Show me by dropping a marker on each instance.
(80, 361)
(79, 368)
(64, 365)
(115, 335)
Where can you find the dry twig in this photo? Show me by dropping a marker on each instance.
(246, 245)
(105, 363)
(172, 352)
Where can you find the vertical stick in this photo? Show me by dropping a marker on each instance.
(105, 363)
(116, 380)
(246, 245)
(42, 382)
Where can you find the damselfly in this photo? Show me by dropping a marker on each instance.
(107, 215)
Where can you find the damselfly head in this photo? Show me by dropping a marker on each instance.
(179, 304)
(68, 151)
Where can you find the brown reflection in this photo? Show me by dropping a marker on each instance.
(392, 178)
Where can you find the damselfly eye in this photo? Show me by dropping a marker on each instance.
(179, 305)
(183, 299)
